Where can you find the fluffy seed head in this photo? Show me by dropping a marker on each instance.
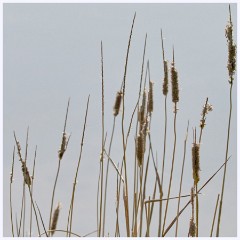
(150, 97)
(232, 49)
(55, 219)
(192, 228)
(63, 147)
(175, 88)
(117, 104)
(26, 175)
(141, 113)
(206, 109)
(165, 80)
(140, 149)
(196, 162)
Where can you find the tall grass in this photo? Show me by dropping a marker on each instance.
(139, 200)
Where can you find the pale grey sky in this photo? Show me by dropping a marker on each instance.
(52, 52)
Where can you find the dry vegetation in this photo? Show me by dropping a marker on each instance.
(138, 214)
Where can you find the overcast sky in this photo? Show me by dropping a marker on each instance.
(52, 52)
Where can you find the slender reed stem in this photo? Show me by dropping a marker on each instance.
(180, 188)
(214, 216)
(11, 181)
(60, 155)
(106, 178)
(225, 166)
(32, 190)
(171, 174)
(123, 138)
(78, 165)
(41, 220)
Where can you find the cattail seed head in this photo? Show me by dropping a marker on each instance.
(165, 80)
(150, 97)
(232, 49)
(141, 113)
(55, 219)
(192, 228)
(196, 162)
(63, 147)
(206, 109)
(175, 88)
(26, 175)
(117, 104)
(140, 149)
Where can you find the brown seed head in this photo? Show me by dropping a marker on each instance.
(55, 219)
(117, 104)
(192, 228)
(196, 162)
(141, 113)
(232, 49)
(26, 175)
(165, 80)
(63, 147)
(174, 79)
(150, 97)
(140, 149)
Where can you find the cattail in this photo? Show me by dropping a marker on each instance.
(165, 80)
(150, 97)
(63, 147)
(195, 162)
(174, 79)
(206, 109)
(26, 175)
(192, 228)
(55, 219)
(232, 48)
(117, 104)
(140, 149)
(141, 113)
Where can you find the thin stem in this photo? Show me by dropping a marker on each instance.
(78, 165)
(58, 168)
(173, 158)
(32, 189)
(214, 217)
(11, 181)
(163, 164)
(180, 188)
(123, 138)
(225, 166)
(106, 179)
(34, 210)
(41, 220)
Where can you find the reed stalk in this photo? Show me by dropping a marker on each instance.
(61, 152)
(231, 71)
(180, 187)
(76, 174)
